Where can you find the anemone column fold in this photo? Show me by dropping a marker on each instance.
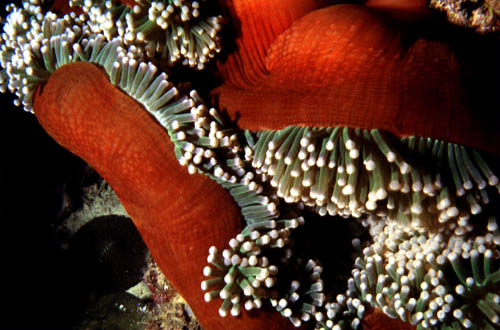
(348, 65)
(179, 215)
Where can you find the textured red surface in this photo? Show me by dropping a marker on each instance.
(294, 64)
(257, 23)
(179, 215)
(351, 65)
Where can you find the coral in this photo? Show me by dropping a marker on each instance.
(391, 143)
(483, 16)
(169, 309)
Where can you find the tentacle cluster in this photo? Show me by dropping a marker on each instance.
(417, 215)
(168, 30)
(301, 298)
(426, 279)
(354, 172)
(31, 35)
(434, 255)
(30, 43)
(241, 275)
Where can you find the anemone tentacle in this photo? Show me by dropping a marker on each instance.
(171, 31)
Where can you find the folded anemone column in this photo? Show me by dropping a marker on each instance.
(179, 215)
(64, 78)
(359, 114)
(346, 111)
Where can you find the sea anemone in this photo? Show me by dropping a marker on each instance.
(326, 135)
(171, 31)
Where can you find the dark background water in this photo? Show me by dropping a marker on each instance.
(38, 284)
